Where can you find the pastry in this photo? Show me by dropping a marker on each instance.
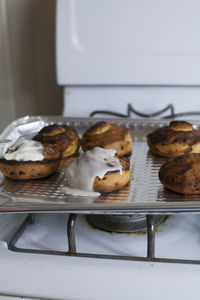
(182, 174)
(29, 159)
(61, 137)
(176, 139)
(108, 136)
(98, 170)
(113, 181)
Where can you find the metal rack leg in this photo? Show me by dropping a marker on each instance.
(150, 236)
(71, 233)
(31, 218)
(72, 246)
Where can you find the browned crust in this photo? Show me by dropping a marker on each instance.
(176, 139)
(180, 126)
(28, 170)
(98, 128)
(113, 181)
(62, 137)
(107, 136)
(182, 174)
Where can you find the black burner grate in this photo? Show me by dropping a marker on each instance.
(131, 110)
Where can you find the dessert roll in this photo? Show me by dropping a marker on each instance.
(108, 136)
(176, 139)
(62, 137)
(99, 170)
(181, 174)
(29, 159)
(113, 180)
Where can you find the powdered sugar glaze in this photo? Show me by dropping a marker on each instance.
(82, 171)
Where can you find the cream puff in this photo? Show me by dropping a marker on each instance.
(98, 170)
(62, 137)
(181, 174)
(176, 139)
(28, 159)
(107, 136)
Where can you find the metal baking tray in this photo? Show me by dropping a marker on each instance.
(145, 194)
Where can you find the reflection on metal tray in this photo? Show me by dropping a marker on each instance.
(144, 194)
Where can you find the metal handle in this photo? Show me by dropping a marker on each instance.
(71, 233)
(150, 236)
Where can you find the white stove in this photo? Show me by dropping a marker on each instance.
(40, 276)
(110, 54)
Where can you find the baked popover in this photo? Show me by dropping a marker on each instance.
(28, 159)
(62, 137)
(176, 139)
(181, 174)
(99, 170)
(107, 136)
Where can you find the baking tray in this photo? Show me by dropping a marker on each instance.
(144, 194)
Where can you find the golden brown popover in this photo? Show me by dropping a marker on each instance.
(176, 139)
(62, 137)
(25, 170)
(98, 170)
(113, 180)
(181, 174)
(108, 136)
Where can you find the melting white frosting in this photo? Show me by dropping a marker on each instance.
(82, 171)
(25, 150)
(76, 192)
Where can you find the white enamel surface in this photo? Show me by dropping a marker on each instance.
(136, 42)
(54, 277)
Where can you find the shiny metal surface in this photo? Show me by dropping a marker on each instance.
(71, 233)
(144, 195)
(150, 236)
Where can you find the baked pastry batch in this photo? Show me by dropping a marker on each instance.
(180, 143)
(104, 149)
(104, 166)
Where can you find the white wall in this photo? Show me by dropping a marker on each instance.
(27, 60)
(7, 103)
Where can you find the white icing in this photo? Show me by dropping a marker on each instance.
(25, 150)
(76, 192)
(82, 171)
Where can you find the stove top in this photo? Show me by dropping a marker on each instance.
(57, 277)
(49, 232)
(47, 276)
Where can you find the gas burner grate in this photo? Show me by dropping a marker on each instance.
(150, 257)
(131, 110)
(122, 223)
